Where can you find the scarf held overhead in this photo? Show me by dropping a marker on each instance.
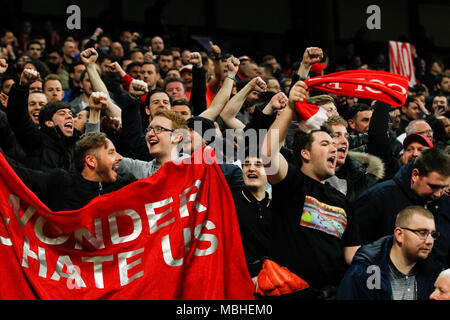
(173, 235)
(366, 84)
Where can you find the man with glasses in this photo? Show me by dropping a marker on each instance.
(421, 182)
(163, 135)
(395, 267)
(417, 126)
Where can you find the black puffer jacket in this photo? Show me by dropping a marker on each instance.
(45, 148)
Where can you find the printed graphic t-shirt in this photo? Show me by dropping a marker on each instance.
(312, 223)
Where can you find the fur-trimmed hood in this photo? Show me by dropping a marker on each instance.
(374, 165)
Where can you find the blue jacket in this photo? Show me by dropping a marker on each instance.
(354, 285)
(377, 207)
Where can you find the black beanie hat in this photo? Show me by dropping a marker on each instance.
(50, 109)
(200, 125)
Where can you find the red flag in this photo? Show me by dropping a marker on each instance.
(173, 235)
(367, 84)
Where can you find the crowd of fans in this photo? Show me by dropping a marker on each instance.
(368, 186)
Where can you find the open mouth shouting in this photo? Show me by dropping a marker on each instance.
(342, 152)
(68, 127)
(331, 161)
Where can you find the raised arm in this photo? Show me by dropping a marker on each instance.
(310, 56)
(276, 165)
(89, 57)
(27, 133)
(233, 106)
(224, 93)
(216, 52)
(198, 93)
(97, 102)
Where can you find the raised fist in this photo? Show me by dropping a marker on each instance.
(279, 101)
(312, 55)
(28, 76)
(138, 88)
(115, 67)
(89, 56)
(98, 100)
(233, 65)
(258, 84)
(196, 59)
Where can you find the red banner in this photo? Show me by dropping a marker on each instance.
(367, 84)
(401, 60)
(174, 235)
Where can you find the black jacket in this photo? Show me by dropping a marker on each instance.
(254, 223)
(46, 148)
(354, 285)
(377, 208)
(8, 140)
(63, 190)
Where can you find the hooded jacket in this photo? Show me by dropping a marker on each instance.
(356, 284)
(360, 171)
(376, 210)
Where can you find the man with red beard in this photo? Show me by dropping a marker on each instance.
(355, 171)
(96, 161)
(395, 267)
(313, 233)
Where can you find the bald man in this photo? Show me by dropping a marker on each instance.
(442, 286)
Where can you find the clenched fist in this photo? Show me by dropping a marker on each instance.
(115, 67)
(138, 88)
(233, 65)
(312, 55)
(258, 84)
(89, 56)
(28, 76)
(98, 100)
(298, 93)
(196, 59)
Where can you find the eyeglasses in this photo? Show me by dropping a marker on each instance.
(423, 234)
(157, 129)
(426, 132)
